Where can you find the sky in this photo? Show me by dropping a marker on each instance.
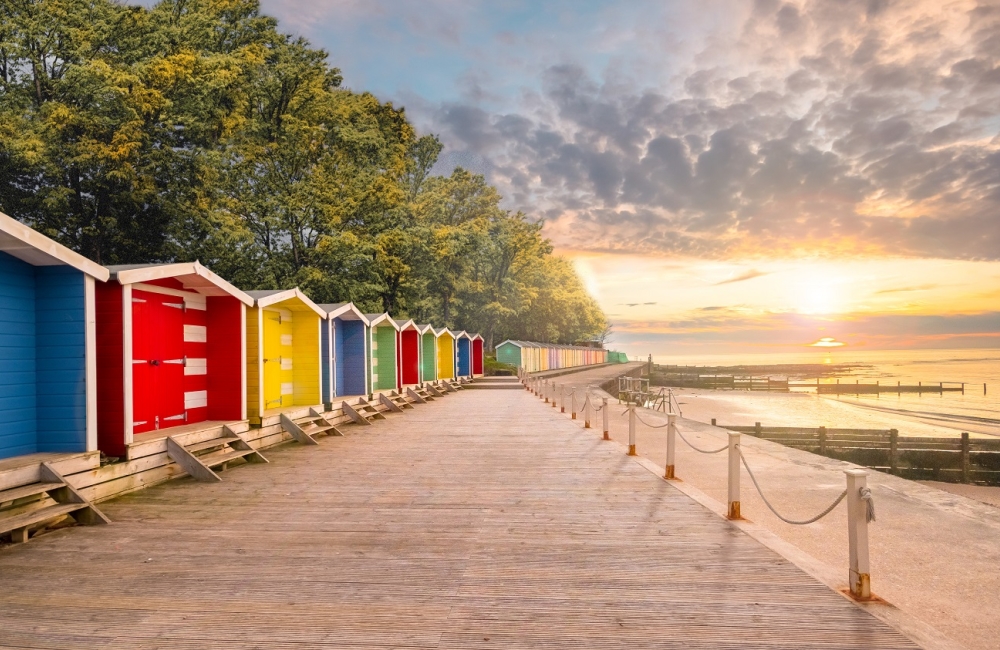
(727, 176)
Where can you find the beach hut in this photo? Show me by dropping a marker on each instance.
(408, 361)
(170, 343)
(284, 368)
(428, 353)
(48, 387)
(344, 351)
(463, 354)
(445, 353)
(477, 355)
(384, 356)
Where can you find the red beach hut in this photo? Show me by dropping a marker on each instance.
(171, 342)
(477, 355)
(408, 361)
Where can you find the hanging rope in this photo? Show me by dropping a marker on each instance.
(791, 521)
(866, 495)
(651, 426)
(704, 451)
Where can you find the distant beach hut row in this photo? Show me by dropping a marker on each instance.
(91, 357)
(538, 357)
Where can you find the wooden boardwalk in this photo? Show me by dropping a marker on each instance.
(483, 520)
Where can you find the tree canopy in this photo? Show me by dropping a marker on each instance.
(195, 129)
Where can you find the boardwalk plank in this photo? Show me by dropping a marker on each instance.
(484, 520)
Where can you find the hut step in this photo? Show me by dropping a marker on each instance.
(355, 414)
(29, 490)
(293, 427)
(390, 403)
(215, 461)
(416, 396)
(18, 526)
(199, 466)
(67, 502)
(214, 443)
(317, 429)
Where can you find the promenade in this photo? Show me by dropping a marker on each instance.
(485, 520)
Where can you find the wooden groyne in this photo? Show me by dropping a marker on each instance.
(783, 384)
(954, 460)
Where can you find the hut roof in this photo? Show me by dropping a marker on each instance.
(193, 275)
(344, 311)
(34, 248)
(376, 319)
(273, 297)
(405, 324)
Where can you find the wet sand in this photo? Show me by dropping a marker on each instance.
(743, 408)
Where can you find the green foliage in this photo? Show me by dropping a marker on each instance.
(197, 130)
(492, 367)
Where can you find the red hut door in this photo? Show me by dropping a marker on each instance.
(157, 361)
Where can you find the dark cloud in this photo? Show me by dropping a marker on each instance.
(849, 127)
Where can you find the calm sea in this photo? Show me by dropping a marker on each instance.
(925, 414)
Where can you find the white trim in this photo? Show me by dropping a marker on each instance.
(195, 333)
(195, 399)
(408, 324)
(90, 358)
(243, 361)
(287, 388)
(345, 308)
(164, 271)
(195, 367)
(477, 336)
(127, 407)
(260, 363)
(331, 361)
(319, 353)
(369, 386)
(281, 296)
(383, 317)
(33, 247)
(197, 300)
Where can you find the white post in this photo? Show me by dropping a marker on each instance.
(671, 445)
(562, 398)
(587, 410)
(734, 475)
(857, 534)
(572, 401)
(555, 391)
(545, 390)
(604, 412)
(631, 430)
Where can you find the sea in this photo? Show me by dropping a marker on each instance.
(977, 411)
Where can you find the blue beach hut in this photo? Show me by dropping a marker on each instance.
(345, 352)
(48, 391)
(463, 348)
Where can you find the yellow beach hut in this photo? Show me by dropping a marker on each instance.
(283, 352)
(445, 353)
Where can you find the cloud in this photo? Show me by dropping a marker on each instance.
(818, 128)
(749, 275)
(922, 287)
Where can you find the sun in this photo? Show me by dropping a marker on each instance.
(827, 342)
(819, 295)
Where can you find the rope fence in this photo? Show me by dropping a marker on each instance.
(857, 494)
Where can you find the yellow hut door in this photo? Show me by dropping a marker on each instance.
(273, 327)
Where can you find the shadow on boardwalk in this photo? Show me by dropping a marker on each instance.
(485, 520)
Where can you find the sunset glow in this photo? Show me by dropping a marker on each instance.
(832, 171)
